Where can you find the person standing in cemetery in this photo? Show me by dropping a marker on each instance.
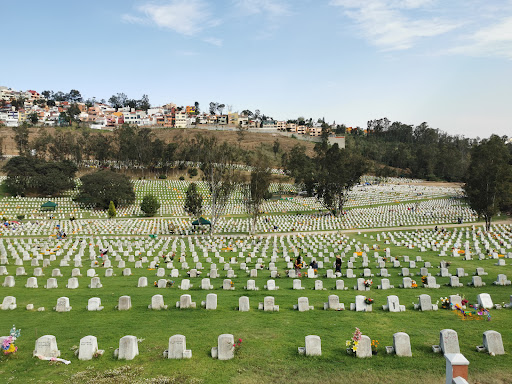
(298, 264)
(337, 263)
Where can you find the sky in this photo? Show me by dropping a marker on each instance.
(444, 62)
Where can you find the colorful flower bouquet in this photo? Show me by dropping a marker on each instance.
(368, 283)
(414, 284)
(8, 345)
(353, 342)
(445, 303)
(368, 300)
(375, 345)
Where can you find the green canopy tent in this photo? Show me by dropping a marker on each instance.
(49, 206)
(201, 221)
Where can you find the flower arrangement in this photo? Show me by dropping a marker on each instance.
(445, 303)
(414, 284)
(237, 345)
(353, 343)
(464, 301)
(232, 284)
(368, 300)
(424, 279)
(368, 283)
(8, 345)
(170, 283)
(375, 345)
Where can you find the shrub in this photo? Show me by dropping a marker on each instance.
(150, 205)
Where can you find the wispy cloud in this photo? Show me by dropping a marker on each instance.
(395, 24)
(187, 17)
(213, 41)
(494, 40)
(270, 8)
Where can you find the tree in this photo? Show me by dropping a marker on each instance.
(118, 101)
(21, 138)
(489, 178)
(99, 188)
(217, 163)
(33, 117)
(213, 107)
(339, 170)
(36, 176)
(74, 96)
(256, 190)
(193, 201)
(18, 103)
(144, 103)
(150, 205)
(196, 107)
(111, 210)
(275, 147)
(221, 107)
(302, 168)
(240, 133)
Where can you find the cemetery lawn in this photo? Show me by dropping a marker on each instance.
(268, 352)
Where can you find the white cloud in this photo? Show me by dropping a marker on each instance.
(187, 17)
(270, 8)
(495, 40)
(213, 41)
(133, 19)
(394, 24)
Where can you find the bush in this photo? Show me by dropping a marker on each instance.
(182, 177)
(192, 172)
(20, 217)
(150, 205)
(100, 188)
(162, 176)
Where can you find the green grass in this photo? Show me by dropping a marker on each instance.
(269, 349)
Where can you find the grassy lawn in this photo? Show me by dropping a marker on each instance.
(268, 353)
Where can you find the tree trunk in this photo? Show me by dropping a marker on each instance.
(487, 222)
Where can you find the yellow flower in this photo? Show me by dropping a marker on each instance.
(354, 348)
(356, 343)
(347, 343)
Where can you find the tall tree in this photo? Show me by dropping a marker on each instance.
(111, 210)
(213, 107)
(256, 190)
(489, 178)
(275, 147)
(144, 103)
(339, 170)
(74, 96)
(193, 201)
(221, 107)
(217, 163)
(21, 138)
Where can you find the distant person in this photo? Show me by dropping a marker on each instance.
(298, 264)
(313, 264)
(337, 263)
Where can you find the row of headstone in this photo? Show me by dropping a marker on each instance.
(449, 343)
(46, 346)
(484, 300)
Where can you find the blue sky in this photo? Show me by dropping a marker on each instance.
(445, 62)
